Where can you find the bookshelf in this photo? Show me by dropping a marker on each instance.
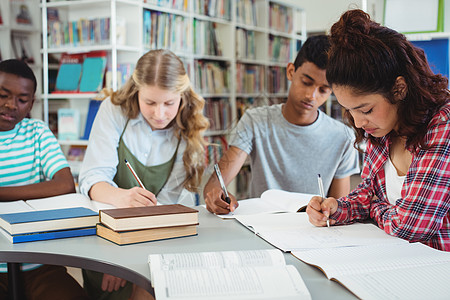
(20, 24)
(218, 40)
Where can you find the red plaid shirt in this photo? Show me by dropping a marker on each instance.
(423, 212)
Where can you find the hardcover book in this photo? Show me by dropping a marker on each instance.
(133, 218)
(48, 235)
(48, 220)
(145, 235)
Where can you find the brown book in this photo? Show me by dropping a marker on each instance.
(145, 235)
(134, 218)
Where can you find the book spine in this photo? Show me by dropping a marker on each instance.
(51, 235)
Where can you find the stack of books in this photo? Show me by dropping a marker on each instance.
(142, 224)
(36, 225)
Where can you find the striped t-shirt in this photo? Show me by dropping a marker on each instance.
(29, 154)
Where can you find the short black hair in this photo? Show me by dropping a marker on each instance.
(19, 68)
(314, 50)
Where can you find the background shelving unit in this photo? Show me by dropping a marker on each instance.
(21, 25)
(206, 40)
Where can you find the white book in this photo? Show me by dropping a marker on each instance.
(293, 231)
(271, 201)
(394, 271)
(248, 274)
(14, 206)
(67, 201)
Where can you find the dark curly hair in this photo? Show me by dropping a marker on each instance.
(368, 58)
(18, 68)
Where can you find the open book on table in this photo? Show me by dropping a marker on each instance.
(247, 274)
(293, 231)
(394, 271)
(62, 201)
(271, 201)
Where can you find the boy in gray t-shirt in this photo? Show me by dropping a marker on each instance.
(289, 144)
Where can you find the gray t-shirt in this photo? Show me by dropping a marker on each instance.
(289, 157)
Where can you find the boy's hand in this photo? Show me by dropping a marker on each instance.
(215, 202)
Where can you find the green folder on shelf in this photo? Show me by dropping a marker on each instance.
(68, 77)
(93, 73)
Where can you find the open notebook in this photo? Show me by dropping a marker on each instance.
(63, 201)
(271, 201)
(392, 271)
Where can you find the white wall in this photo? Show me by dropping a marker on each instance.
(321, 14)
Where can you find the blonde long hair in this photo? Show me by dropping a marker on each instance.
(165, 70)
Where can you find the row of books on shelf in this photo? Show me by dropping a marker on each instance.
(84, 32)
(276, 80)
(173, 4)
(216, 146)
(213, 8)
(245, 44)
(280, 17)
(279, 49)
(206, 40)
(211, 77)
(242, 104)
(250, 78)
(162, 30)
(218, 112)
(250, 12)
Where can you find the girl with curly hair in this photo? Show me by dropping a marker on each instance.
(401, 109)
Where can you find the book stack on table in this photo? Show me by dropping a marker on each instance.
(142, 224)
(51, 224)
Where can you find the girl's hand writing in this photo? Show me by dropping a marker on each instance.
(319, 210)
(134, 197)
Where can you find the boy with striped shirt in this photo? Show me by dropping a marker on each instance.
(32, 165)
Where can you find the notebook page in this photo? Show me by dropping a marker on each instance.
(286, 201)
(293, 231)
(281, 282)
(271, 201)
(337, 262)
(426, 282)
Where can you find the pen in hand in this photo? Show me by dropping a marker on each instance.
(322, 194)
(222, 183)
(134, 174)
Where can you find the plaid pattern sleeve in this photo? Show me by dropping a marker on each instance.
(423, 212)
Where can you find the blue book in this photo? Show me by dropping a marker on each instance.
(48, 235)
(48, 220)
(94, 105)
